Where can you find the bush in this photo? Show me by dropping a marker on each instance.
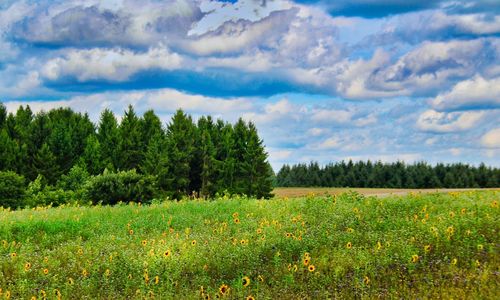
(12, 189)
(111, 188)
(41, 194)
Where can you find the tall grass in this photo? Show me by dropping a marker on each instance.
(346, 246)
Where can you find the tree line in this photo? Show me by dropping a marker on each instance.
(184, 157)
(388, 175)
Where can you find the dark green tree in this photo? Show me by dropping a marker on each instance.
(130, 149)
(108, 136)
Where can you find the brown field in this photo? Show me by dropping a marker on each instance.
(292, 192)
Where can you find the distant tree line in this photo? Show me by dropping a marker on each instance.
(388, 175)
(63, 150)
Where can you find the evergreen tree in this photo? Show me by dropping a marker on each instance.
(155, 161)
(180, 146)
(92, 158)
(3, 115)
(130, 145)
(44, 163)
(8, 152)
(108, 136)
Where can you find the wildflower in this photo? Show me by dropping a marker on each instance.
(58, 293)
(85, 273)
(427, 248)
(295, 268)
(45, 271)
(311, 268)
(7, 294)
(27, 266)
(71, 281)
(237, 221)
(288, 235)
(223, 289)
(13, 255)
(33, 297)
(250, 298)
(452, 214)
(350, 230)
(157, 279)
(450, 230)
(245, 281)
(463, 211)
(414, 258)
(260, 278)
(480, 247)
(129, 276)
(259, 230)
(454, 261)
(80, 251)
(306, 261)
(131, 231)
(366, 280)
(193, 242)
(379, 245)
(144, 242)
(235, 215)
(167, 253)
(478, 264)
(146, 277)
(244, 242)
(494, 204)
(107, 273)
(349, 245)
(307, 255)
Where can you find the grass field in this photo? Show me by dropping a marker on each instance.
(347, 246)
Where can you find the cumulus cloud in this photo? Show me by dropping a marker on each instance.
(473, 93)
(443, 122)
(109, 64)
(491, 139)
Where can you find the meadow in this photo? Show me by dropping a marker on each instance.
(437, 245)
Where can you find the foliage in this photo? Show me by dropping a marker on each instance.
(347, 246)
(389, 175)
(125, 186)
(12, 189)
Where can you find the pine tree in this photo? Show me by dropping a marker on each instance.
(8, 152)
(92, 158)
(208, 165)
(225, 154)
(44, 163)
(155, 161)
(108, 136)
(180, 145)
(3, 115)
(130, 145)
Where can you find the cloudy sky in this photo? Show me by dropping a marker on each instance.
(323, 80)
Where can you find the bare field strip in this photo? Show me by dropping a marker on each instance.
(292, 192)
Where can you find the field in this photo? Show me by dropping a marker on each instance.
(434, 245)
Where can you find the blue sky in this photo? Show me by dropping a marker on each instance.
(324, 80)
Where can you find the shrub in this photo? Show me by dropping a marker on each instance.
(41, 194)
(12, 189)
(126, 186)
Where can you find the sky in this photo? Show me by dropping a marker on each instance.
(322, 80)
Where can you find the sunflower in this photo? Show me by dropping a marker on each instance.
(157, 279)
(205, 296)
(349, 245)
(236, 220)
(454, 261)
(260, 278)
(129, 276)
(13, 255)
(288, 235)
(259, 230)
(306, 261)
(107, 273)
(7, 294)
(350, 230)
(245, 281)
(131, 231)
(167, 253)
(223, 289)
(379, 245)
(450, 230)
(480, 247)
(45, 271)
(244, 242)
(366, 280)
(250, 298)
(80, 251)
(71, 281)
(27, 266)
(85, 273)
(307, 255)
(427, 248)
(452, 214)
(33, 297)
(463, 211)
(414, 258)
(235, 215)
(193, 242)
(311, 268)
(144, 242)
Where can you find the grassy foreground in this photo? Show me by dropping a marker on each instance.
(343, 246)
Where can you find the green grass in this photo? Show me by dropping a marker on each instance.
(117, 252)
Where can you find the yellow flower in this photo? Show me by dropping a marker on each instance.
(131, 231)
(349, 245)
(477, 263)
(260, 278)
(379, 245)
(223, 289)
(306, 261)
(452, 214)
(144, 242)
(13, 255)
(463, 211)
(157, 279)
(80, 251)
(259, 230)
(235, 215)
(494, 204)
(237, 221)
(414, 258)
(480, 247)
(27, 266)
(244, 242)
(33, 297)
(295, 268)
(288, 235)
(366, 280)
(250, 298)
(107, 273)
(193, 242)
(167, 253)
(71, 281)
(245, 281)
(7, 294)
(45, 271)
(307, 255)
(450, 230)
(427, 248)
(454, 261)
(85, 273)
(350, 230)
(311, 268)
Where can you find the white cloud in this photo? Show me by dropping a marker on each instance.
(491, 139)
(109, 64)
(435, 121)
(471, 93)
